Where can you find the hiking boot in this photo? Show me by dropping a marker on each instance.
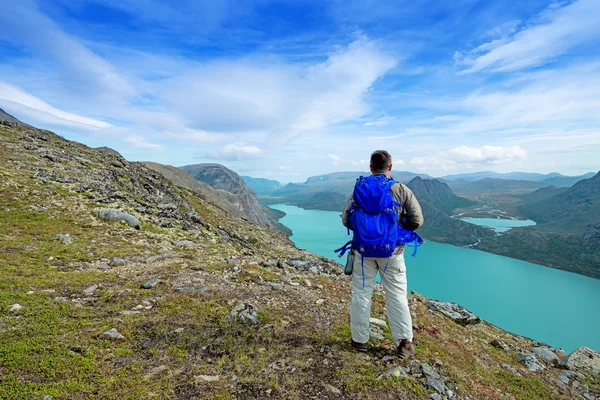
(406, 349)
(360, 347)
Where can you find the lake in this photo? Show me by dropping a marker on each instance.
(552, 306)
(499, 224)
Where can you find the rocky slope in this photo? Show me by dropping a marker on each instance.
(238, 194)
(438, 194)
(198, 303)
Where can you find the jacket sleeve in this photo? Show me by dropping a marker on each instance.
(411, 216)
(345, 212)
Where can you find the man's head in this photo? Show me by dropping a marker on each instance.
(381, 162)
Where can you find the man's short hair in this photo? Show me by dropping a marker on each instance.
(381, 160)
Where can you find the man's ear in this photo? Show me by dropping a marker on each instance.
(390, 168)
(371, 168)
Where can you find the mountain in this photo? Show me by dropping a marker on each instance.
(325, 200)
(542, 193)
(6, 117)
(577, 208)
(438, 194)
(262, 186)
(437, 201)
(487, 185)
(567, 181)
(520, 176)
(196, 295)
(339, 182)
(232, 188)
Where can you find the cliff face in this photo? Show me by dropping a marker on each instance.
(237, 193)
(199, 303)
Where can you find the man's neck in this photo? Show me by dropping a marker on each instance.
(381, 173)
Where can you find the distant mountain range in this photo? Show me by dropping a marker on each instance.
(553, 178)
(262, 186)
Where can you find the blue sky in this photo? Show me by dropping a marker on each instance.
(290, 89)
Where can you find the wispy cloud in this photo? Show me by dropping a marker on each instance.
(240, 151)
(557, 31)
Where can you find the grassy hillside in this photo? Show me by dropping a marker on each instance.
(173, 290)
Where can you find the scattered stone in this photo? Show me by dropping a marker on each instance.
(15, 307)
(244, 313)
(435, 396)
(178, 330)
(275, 286)
(436, 384)
(113, 334)
(90, 290)
(580, 387)
(511, 369)
(294, 283)
(287, 277)
(30, 292)
(121, 292)
(545, 353)
(205, 378)
(530, 361)
(192, 289)
(387, 359)
(61, 299)
(430, 372)
(499, 344)
(455, 312)
(307, 283)
(376, 332)
(313, 270)
(185, 244)
(319, 302)
(64, 239)
(159, 257)
(155, 371)
(117, 262)
(583, 359)
(378, 321)
(47, 397)
(332, 389)
(150, 284)
(449, 393)
(129, 312)
(396, 372)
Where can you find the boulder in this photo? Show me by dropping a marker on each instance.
(150, 284)
(113, 334)
(545, 353)
(457, 313)
(583, 359)
(530, 361)
(244, 313)
(396, 372)
(112, 214)
(64, 239)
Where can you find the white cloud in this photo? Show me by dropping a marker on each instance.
(284, 167)
(383, 121)
(142, 143)
(39, 111)
(240, 151)
(561, 30)
(486, 155)
(335, 160)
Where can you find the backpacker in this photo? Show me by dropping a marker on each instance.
(373, 218)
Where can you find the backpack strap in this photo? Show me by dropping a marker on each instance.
(342, 250)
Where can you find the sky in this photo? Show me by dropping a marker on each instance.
(287, 89)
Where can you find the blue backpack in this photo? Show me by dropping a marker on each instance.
(373, 217)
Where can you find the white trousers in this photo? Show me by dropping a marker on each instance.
(394, 284)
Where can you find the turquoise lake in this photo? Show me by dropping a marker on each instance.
(548, 305)
(499, 224)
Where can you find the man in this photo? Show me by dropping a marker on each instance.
(392, 270)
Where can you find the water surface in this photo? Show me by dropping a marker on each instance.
(548, 305)
(499, 224)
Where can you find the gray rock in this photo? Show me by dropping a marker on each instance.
(185, 244)
(457, 313)
(275, 286)
(499, 344)
(435, 396)
(511, 369)
(544, 353)
(244, 313)
(205, 378)
(129, 312)
(113, 334)
(396, 372)
(437, 385)
(192, 289)
(430, 372)
(61, 299)
(90, 290)
(15, 307)
(450, 394)
(583, 359)
(64, 239)
(376, 332)
(47, 397)
(117, 262)
(530, 361)
(378, 321)
(150, 284)
(332, 389)
(580, 387)
(112, 214)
